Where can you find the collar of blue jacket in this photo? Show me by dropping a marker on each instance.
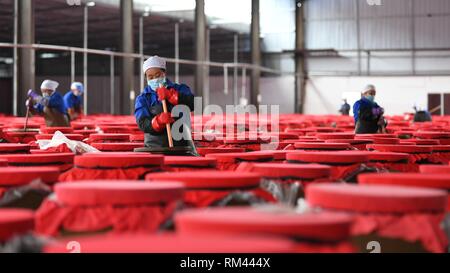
(363, 102)
(148, 89)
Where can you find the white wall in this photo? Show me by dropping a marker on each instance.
(396, 94)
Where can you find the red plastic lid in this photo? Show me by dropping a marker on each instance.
(371, 136)
(285, 135)
(439, 181)
(437, 169)
(172, 243)
(189, 161)
(421, 141)
(117, 160)
(40, 159)
(304, 171)
(137, 138)
(310, 141)
(335, 136)
(245, 141)
(386, 140)
(440, 148)
(117, 147)
(432, 135)
(206, 151)
(444, 141)
(387, 157)
(210, 179)
(324, 226)
(302, 138)
(52, 130)
(76, 137)
(22, 125)
(103, 137)
(98, 193)
(344, 157)
(233, 157)
(15, 222)
(18, 176)
(376, 199)
(85, 132)
(400, 148)
(3, 163)
(322, 146)
(321, 129)
(278, 155)
(351, 141)
(116, 128)
(41, 151)
(14, 148)
(81, 125)
(404, 133)
(21, 134)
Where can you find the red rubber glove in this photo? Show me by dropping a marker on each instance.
(160, 121)
(170, 95)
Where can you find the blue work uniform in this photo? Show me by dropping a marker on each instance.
(73, 102)
(55, 101)
(365, 120)
(345, 109)
(148, 106)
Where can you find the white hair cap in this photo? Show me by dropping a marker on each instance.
(77, 86)
(154, 62)
(369, 87)
(49, 84)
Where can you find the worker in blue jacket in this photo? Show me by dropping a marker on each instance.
(149, 113)
(369, 116)
(50, 105)
(73, 100)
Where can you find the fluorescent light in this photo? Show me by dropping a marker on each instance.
(49, 55)
(229, 12)
(7, 60)
(166, 5)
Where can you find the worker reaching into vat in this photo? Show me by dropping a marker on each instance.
(369, 116)
(50, 105)
(150, 115)
(73, 100)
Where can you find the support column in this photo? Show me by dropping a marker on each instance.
(256, 53)
(200, 46)
(26, 57)
(207, 91)
(127, 64)
(141, 51)
(235, 71)
(177, 52)
(85, 59)
(301, 77)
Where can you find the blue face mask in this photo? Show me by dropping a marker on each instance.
(156, 83)
(370, 98)
(47, 95)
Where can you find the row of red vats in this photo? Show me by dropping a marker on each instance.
(317, 187)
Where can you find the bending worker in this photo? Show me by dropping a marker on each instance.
(50, 105)
(369, 116)
(149, 113)
(73, 100)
